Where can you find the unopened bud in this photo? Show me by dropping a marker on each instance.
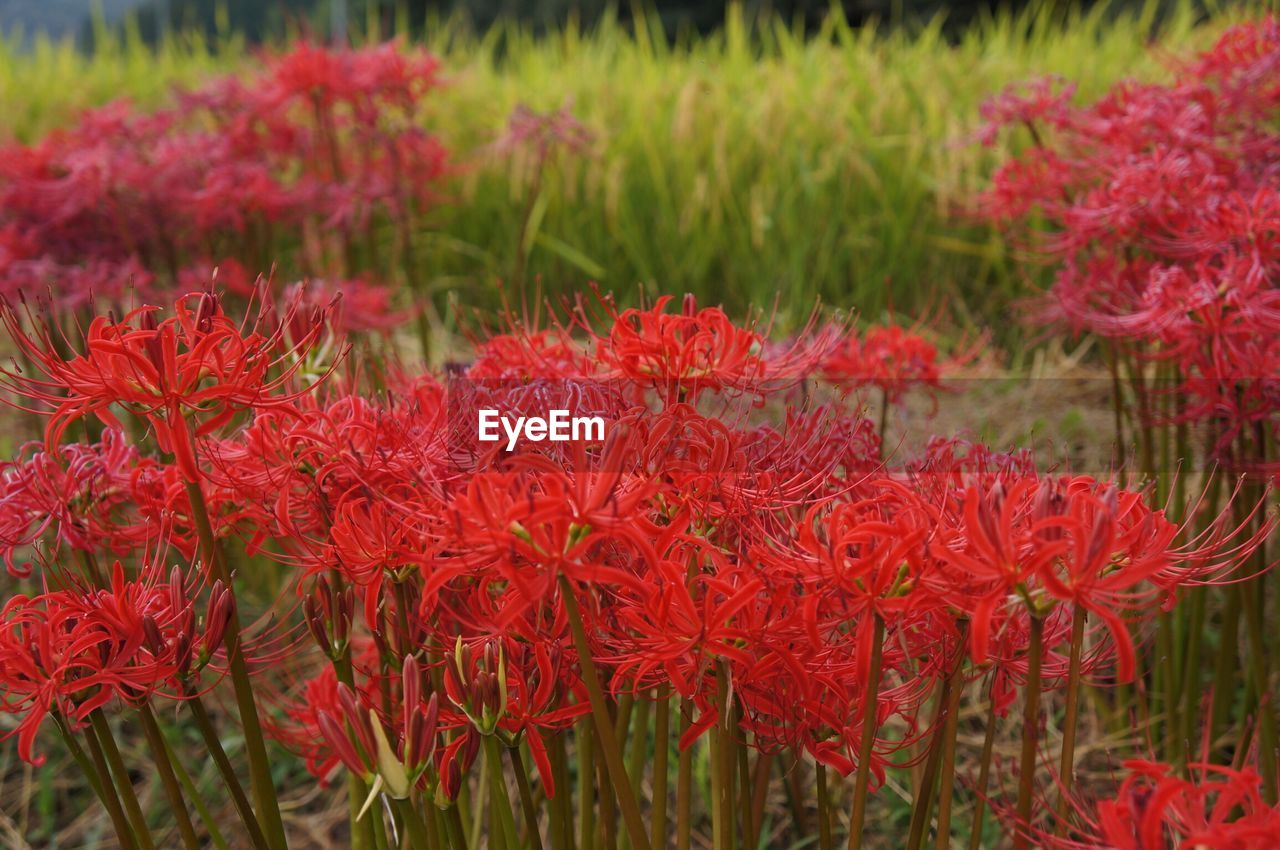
(155, 640)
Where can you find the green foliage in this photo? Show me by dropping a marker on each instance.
(749, 164)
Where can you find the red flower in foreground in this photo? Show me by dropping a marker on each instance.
(70, 652)
(1218, 808)
(185, 376)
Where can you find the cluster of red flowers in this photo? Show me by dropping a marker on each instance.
(1156, 805)
(303, 163)
(731, 548)
(1161, 202)
(734, 541)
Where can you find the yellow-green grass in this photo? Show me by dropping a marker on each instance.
(744, 165)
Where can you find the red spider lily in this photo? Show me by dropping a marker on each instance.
(399, 761)
(372, 542)
(530, 355)
(540, 521)
(543, 133)
(949, 466)
(348, 306)
(1043, 100)
(288, 165)
(1157, 201)
(70, 652)
(298, 727)
(890, 358)
(864, 559)
(997, 549)
(1216, 808)
(516, 690)
(196, 365)
(77, 496)
(684, 632)
(290, 469)
(1076, 541)
(328, 613)
(514, 399)
(682, 354)
(751, 571)
(726, 476)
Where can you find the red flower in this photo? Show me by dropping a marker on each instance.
(1217, 808)
(682, 355)
(186, 375)
(890, 358)
(70, 652)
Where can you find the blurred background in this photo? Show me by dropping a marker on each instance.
(770, 154)
(260, 20)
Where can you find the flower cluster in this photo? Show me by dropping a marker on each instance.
(729, 573)
(733, 544)
(301, 164)
(1161, 204)
(1216, 807)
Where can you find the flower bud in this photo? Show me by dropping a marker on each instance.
(155, 640)
(222, 608)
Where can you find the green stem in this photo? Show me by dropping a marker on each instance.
(436, 839)
(722, 766)
(416, 829)
(947, 783)
(603, 722)
(1224, 682)
(743, 800)
(759, 794)
(1190, 681)
(453, 828)
(561, 819)
(107, 792)
(661, 754)
(379, 835)
(123, 783)
(684, 783)
(357, 791)
(866, 745)
(639, 743)
(729, 746)
(473, 807)
(168, 780)
(791, 767)
(1067, 767)
(264, 792)
(498, 797)
(1167, 682)
(232, 782)
(1117, 402)
(526, 797)
(586, 786)
(1265, 707)
(197, 800)
(984, 770)
(824, 808)
(923, 799)
(86, 766)
(607, 836)
(1030, 732)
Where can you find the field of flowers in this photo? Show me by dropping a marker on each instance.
(740, 167)
(270, 584)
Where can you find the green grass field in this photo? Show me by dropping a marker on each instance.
(745, 166)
